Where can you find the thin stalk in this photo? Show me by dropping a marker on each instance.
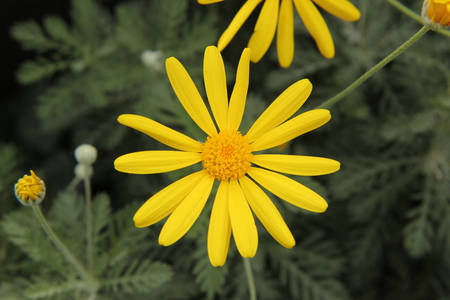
(412, 14)
(250, 279)
(61, 246)
(376, 68)
(89, 238)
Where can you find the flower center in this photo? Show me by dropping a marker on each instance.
(226, 155)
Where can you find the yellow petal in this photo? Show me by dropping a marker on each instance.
(239, 94)
(219, 231)
(281, 109)
(189, 96)
(340, 8)
(165, 201)
(161, 133)
(316, 26)
(289, 190)
(267, 213)
(237, 22)
(151, 162)
(264, 30)
(285, 34)
(242, 222)
(296, 164)
(184, 216)
(216, 85)
(299, 125)
(209, 1)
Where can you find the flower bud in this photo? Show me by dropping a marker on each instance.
(30, 190)
(436, 14)
(81, 171)
(86, 154)
(153, 59)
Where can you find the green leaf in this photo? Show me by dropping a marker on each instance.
(211, 280)
(139, 276)
(31, 36)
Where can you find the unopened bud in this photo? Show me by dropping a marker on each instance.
(86, 154)
(436, 14)
(30, 190)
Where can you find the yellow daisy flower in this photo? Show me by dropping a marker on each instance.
(280, 18)
(228, 156)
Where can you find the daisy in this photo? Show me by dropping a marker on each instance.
(280, 18)
(229, 157)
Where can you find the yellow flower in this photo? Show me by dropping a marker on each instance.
(30, 190)
(228, 156)
(280, 18)
(436, 14)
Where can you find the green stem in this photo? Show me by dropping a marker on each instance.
(250, 279)
(412, 14)
(377, 67)
(61, 247)
(88, 196)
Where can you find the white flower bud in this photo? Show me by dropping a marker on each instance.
(153, 59)
(82, 170)
(86, 154)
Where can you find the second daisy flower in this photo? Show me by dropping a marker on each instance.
(280, 19)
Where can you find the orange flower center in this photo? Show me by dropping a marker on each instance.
(226, 155)
(439, 11)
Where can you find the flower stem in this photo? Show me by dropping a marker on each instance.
(61, 247)
(412, 14)
(88, 196)
(250, 279)
(405, 10)
(377, 67)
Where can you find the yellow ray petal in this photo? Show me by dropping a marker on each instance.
(289, 190)
(267, 213)
(264, 31)
(165, 201)
(340, 8)
(281, 109)
(236, 23)
(184, 216)
(151, 162)
(242, 222)
(161, 133)
(189, 96)
(209, 1)
(219, 231)
(316, 26)
(296, 164)
(299, 125)
(239, 94)
(216, 85)
(285, 34)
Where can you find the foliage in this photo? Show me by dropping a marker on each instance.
(386, 234)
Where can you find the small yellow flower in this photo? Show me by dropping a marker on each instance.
(30, 190)
(436, 14)
(280, 18)
(228, 157)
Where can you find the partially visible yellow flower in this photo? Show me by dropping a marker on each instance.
(436, 14)
(280, 18)
(228, 157)
(30, 190)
